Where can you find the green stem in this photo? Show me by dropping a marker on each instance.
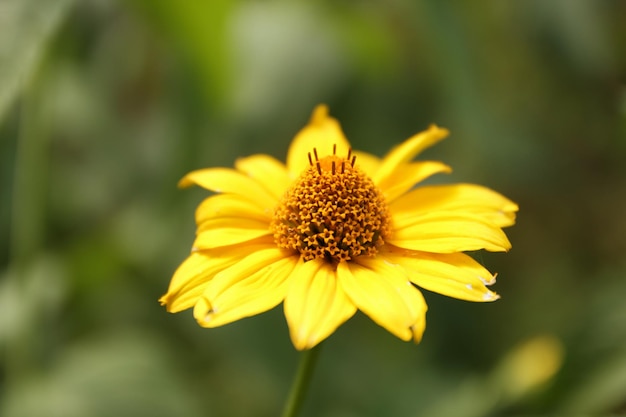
(301, 382)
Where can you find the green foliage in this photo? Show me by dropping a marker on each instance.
(27, 26)
(104, 105)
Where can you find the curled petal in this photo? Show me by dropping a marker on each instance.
(321, 133)
(315, 304)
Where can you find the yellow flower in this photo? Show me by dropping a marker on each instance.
(333, 231)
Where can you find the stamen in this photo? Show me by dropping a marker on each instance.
(319, 168)
(353, 161)
(315, 152)
(343, 166)
(334, 149)
(349, 154)
(333, 167)
(310, 160)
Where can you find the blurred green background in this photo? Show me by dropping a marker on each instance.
(105, 104)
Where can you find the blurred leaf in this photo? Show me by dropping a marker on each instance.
(26, 26)
(599, 382)
(579, 26)
(198, 30)
(279, 49)
(27, 295)
(523, 371)
(117, 374)
(601, 390)
(528, 367)
(368, 42)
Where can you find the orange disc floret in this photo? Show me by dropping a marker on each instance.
(333, 211)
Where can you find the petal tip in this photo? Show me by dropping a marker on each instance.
(490, 296)
(203, 312)
(488, 281)
(320, 113)
(164, 300)
(441, 132)
(185, 182)
(169, 301)
(302, 342)
(418, 331)
(445, 169)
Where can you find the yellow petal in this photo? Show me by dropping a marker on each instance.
(315, 305)
(321, 133)
(464, 198)
(232, 222)
(455, 275)
(263, 260)
(229, 181)
(382, 291)
(191, 278)
(267, 171)
(406, 176)
(367, 162)
(406, 151)
(229, 205)
(231, 231)
(447, 232)
(417, 330)
(249, 287)
(200, 267)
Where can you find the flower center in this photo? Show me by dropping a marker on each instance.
(333, 211)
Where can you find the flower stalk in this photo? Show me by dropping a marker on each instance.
(308, 359)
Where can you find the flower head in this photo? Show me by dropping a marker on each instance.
(335, 231)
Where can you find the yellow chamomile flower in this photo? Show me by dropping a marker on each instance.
(335, 231)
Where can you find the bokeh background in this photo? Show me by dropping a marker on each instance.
(105, 104)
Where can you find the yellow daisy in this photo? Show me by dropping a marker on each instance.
(335, 231)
